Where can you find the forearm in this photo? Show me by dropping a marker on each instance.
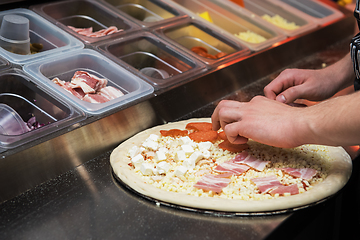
(334, 122)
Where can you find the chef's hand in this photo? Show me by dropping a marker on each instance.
(292, 84)
(313, 85)
(262, 119)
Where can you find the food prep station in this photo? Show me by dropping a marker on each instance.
(56, 180)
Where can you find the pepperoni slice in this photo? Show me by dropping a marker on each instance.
(174, 133)
(204, 136)
(226, 145)
(220, 55)
(199, 49)
(199, 126)
(222, 135)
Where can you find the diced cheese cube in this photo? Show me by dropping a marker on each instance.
(206, 153)
(134, 151)
(187, 149)
(180, 156)
(204, 145)
(196, 156)
(160, 156)
(137, 160)
(163, 167)
(146, 169)
(153, 137)
(189, 163)
(185, 140)
(149, 144)
(180, 171)
(164, 149)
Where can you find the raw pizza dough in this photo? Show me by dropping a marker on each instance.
(338, 175)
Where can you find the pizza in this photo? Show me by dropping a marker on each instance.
(187, 164)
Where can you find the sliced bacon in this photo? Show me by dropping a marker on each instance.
(304, 173)
(95, 98)
(110, 92)
(88, 82)
(89, 31)
(251, 161)
(265, 184)
(231, 167)
(292, 189)
(210, 182)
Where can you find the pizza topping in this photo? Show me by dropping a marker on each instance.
(180, 171)
(245, 158)
(210, 182)
(163, 167)
(231, 167)
(199, 126)
(173, 133)
(222, 135)
(265, 184)
(283, 190)
(226, 145)
(137, 160)
(204, 136)
(146, 169)
(304, 173)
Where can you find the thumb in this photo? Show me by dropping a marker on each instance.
(290, 95)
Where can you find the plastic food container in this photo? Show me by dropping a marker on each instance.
(96, 64)
(202, 42)
(261, 34)
(145, 50)
(85, 14)
(24, 98)
(146, 13)
(42, 33)
(287, 20)
(317, 11)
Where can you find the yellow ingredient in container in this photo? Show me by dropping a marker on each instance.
(206, 16)
(280, 22)
(251, 37)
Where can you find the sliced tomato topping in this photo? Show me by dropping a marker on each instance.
(226, 145)
(174, 133)
(199, 126)
(204, 136)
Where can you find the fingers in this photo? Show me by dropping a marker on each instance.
(225, 109)
(232, 133)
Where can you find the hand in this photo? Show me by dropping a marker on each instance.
(313, 85)
(263, 120)
(292, 84)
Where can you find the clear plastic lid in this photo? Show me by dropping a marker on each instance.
(146, 13)
(144, 50)
(288, 22)
(242, 26)
(202, 42)
(94, 76)
(87, 20)
(29, 112)
(45, 39)
(317, 11)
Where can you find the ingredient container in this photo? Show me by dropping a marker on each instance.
(288, 22)
(317, 11)
(132, 88)
(34, 109)
(202, 42)
(45, 39)
(89, 21)
(147, 13)
(145, 50)
(243, 27)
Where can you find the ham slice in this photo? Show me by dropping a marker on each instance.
(231, 167)
(292, 189)
(245, 158)
(266, 184)
(212, 183)
(304, 173)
